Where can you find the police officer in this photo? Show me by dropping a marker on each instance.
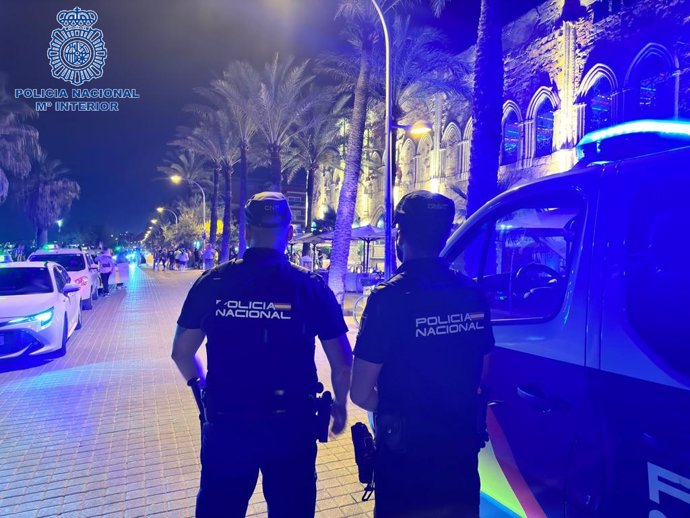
(260, 315)
(419, 356)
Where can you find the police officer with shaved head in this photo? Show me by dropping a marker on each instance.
(260, 316)
(419, 356)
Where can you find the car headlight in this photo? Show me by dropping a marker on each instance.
(44, 318)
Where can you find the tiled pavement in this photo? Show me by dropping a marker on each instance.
(111, 429)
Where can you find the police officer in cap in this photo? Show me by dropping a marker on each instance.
(260, 316)
(419, 356)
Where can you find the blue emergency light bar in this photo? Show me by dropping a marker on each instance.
(631, 139)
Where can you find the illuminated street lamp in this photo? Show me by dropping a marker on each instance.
(160, 210)
(418, 129)
(59, 224)
(154, 221)
(177, 179)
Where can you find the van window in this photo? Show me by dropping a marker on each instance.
(657, 277)
(523, 257)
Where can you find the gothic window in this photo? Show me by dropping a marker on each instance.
(598, 107)
(651, 89)
(654, 89)
(450, 153)
(425, 159)
(511, 139)
(544, 129)
(407, 165)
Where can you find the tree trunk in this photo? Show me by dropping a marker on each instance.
(227, 213)
(41, 236)
(242, 220)
(213, 225)
(311, 172)
(348, 192)
(276, 169)
(487, 110)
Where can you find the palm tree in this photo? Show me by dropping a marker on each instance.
(214, 136)
(47, 194)
(18, 140)
(315, 145)
(188, 165)
(280, 106)
(485, 143)
(421, 69)
(239, 87)
(362, 32)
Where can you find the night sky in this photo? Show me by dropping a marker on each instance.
(163, 48)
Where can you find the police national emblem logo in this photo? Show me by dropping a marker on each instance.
(77, 51)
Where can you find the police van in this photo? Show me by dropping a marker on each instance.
(588, 277)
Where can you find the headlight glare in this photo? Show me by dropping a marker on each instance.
(44, 318)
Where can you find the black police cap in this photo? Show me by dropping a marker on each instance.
(268, 210)
(426, 211)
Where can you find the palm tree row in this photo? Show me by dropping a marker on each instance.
(40, 185)
(254, 115)
(283, 117)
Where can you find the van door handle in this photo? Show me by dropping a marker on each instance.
(534, 396)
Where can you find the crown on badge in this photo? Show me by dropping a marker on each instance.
(77, 18)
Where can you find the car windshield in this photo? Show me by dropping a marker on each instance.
(71, 262)
(24, 281)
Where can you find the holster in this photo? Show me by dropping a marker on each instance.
(391, 433)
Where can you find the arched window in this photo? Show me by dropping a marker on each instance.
(544, 129)
(598, 105)
(381, 223)
(424, 151)
(451, 151)
(511, 139)
(651, 84)
(407, 164)
(655, 89)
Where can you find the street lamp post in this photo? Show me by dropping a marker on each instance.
(389, 256)
(59, 224)
(160, 210)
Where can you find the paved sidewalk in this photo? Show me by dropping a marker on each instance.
(111, 429)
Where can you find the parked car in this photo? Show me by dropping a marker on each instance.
(81, 268)
(39, 309)
(588, 280)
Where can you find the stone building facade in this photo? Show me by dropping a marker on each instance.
(571, 66)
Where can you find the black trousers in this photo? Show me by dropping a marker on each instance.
(233, 453)
(433, 486)
(104, 280)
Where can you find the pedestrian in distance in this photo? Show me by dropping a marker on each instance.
(209, 256)
(105, 268)
(260, 316)
(183, 258)
(171, 259)
(422, 346)
(197, 258)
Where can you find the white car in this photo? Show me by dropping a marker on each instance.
(82, 270)
(39, 309)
